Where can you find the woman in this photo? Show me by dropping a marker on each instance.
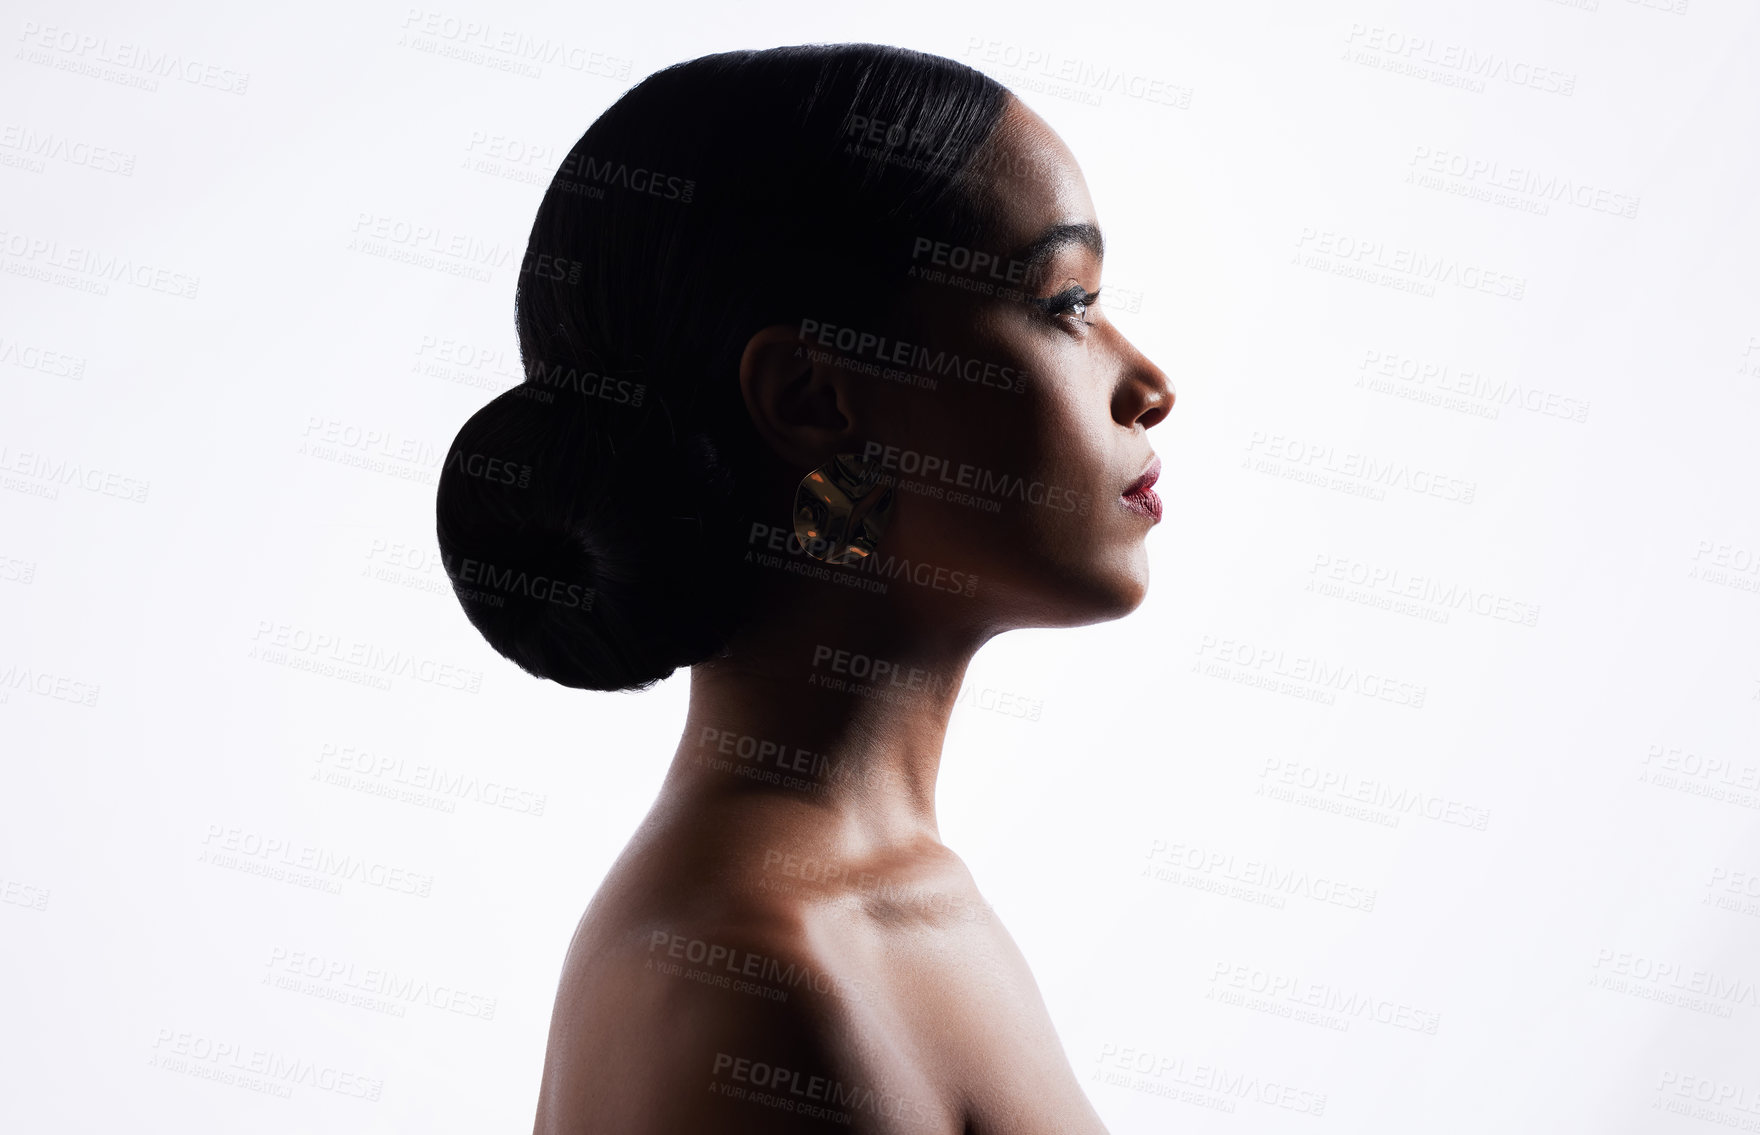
(818, 401)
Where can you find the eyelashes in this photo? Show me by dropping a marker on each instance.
(1073, 300)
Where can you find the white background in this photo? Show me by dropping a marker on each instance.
(1241, 860)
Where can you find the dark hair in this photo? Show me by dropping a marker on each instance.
(592, 519)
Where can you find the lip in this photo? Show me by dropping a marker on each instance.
(1139, 497)
(1148, 478)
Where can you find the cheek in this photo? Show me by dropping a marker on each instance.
(1000, 414)
(1064, 438)
(1019, 414)
(982, 414)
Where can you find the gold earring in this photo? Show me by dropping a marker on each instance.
(841, 509)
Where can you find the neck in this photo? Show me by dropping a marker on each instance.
(833, 715)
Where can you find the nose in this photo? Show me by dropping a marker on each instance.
(1144, 395)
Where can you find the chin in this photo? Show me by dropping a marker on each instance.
(1122, 581)
(1128, 596)
(1099, 595)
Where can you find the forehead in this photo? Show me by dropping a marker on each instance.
(1031, 178)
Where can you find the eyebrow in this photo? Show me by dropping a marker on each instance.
(1037, 254)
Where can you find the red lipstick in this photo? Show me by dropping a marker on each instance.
(1139, 497)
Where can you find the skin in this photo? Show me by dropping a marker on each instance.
(917, 1004)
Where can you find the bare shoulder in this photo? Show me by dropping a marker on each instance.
(738, 1019)
(741, 986)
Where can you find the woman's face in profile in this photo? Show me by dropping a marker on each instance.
(1054, 450)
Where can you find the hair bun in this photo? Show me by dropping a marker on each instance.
(578, 565)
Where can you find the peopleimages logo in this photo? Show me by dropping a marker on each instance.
(88, 269)
(779, 539)
(976, 261)
(864, 667)
(510, 581)
(914, 356)
(495, 469)
(231, 1062)
(982, 481)
(89, 54)
(595, 174)
(543, 378)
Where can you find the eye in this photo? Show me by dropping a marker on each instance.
(1074, 300)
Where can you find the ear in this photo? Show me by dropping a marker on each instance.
(802, 407)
